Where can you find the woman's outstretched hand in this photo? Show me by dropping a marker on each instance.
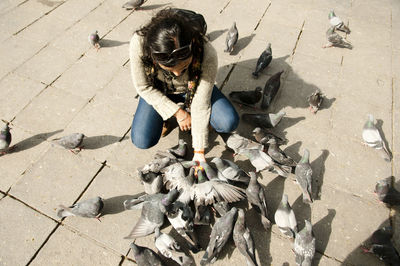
(184, 119)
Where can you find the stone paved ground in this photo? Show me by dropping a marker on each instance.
(53, 83)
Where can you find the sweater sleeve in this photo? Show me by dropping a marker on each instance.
(201, 104)
(161, 103)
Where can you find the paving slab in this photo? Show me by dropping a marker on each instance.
(75, 10)
(47, 183)
(29, 148)
(113, 214)
(23, 230)
(43, 115)
(18, 91)
(7, 5)
(80, 251)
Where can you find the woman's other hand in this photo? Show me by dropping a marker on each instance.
(184, 119)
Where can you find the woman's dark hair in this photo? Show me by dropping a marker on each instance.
(161, 33)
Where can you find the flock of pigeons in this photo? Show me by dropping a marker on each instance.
(189, 195)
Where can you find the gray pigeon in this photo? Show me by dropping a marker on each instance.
(181, 218)
(263, 61)
(152, 182)
(303, 173)
(156, 165)
(231, 38)
(90, 208)
(304, 245)
(236, 142)
(243, 239)
(335, 39)
(278, 155)
(337, 22)
(210, 172)
(72, 141)
(270, 90)
(169, 248)
(94, 39)
(5, 139)
(220, 235)
(256, 197)
(145, 256)
(154, 208)
(372, 138)
(179, 151)
(263, 137)
(229, 171)
(222, 207)
(203, 213)
(285, 218)
(248, 98)
(263, 120)
(133, 4)
(315, 100)
(386, 192)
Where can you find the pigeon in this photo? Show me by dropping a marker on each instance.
(236, 142)
(243, 239)
(249, 98)
(231, 38)
(156, 165)
(285, 218)
(387, 193)
(203, 213)
(210, 172)
(94, 39)
(5, 139)
(145, 256)
(263, 137)
(169, 248)
(372, 138)
(263, 61)
(71, 142)
(90, 208)
(222, 207)
(263, 120)
(336, 40)
(386, 253)
(133, 4)
(315, 100)
(229, 171)
(278, 155)
(270, 90)
(382, 236)
(337, 22)
(261, 161)
(152, 182)
(181, 218)
(303, 173)
(256, 197)
(153, 209)
(220, 235)
(304, 245)
(180, 151)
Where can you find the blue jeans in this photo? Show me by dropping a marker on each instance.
(147, 123)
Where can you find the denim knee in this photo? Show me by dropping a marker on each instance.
(143, 142)
(229, 123)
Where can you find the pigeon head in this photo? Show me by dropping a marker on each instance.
(240, 214)
(170, 197)
(5, 128)
(285, 199)
(331, 14)
(272, 141)
(257, 130)
(308, 225)
(306, 156)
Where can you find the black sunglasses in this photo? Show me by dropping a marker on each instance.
(176, 55)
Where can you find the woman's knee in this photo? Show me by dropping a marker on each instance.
(229, 123)
(143, 142)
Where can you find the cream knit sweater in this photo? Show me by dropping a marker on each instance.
(201, 106)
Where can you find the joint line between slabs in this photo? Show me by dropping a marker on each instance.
(259, 21)
(297, 41)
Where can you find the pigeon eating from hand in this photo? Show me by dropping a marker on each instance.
(372, 138)
(285, 218)
(94, 40)
(145, 256)
(315, 100)
(263, 120)
(270, 90)
(334, 39)
(249, 98)
(5, 139)
(231, 38)
(303, 173)
(71, 142)
(133, 4)
(90, 208)
(386, 192)
(304, 245)
(263, 61)
(337, 22)
(243, 239)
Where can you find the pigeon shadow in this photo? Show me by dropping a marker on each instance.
(322, 230)
(215, 34)
(97, 142)
(33, 141)
(114, 205)
(293, 151)
(242, 43)
(287, 122)
(151, 7)
(379, 124)
(111, 43)
(318, 177)
(327, 103)
(302, 211)
(273, 193)
(358, 257)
